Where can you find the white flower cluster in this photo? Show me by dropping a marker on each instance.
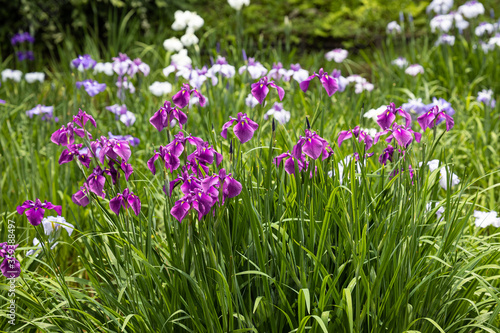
(337, 55)
(16, 76)
(238, 4)
(443, 179)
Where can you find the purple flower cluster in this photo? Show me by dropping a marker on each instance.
(311, 145)
(112, 154)
(92, 87)
(10, 266)
(22, 37)
(126, 70)
(83, 62)
(25, 55)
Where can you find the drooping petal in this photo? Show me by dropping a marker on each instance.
(243, 131)
(330, 84)
(27, 204)
(127, 169)
(281, 91)
(304, 85)
(159, 119)
(402, 136)
(344, 135)
(116, 203)
(35, 215)
(180, 210)
(386, 119)
(312, 148)
(151, 163)
(232, 187)
(260, 91)
(135, 203)
(225, 127)
(181, 99)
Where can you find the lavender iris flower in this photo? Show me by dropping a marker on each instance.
(92, 87)
(129, 138)
(22, 37)
(280, 114)
(117, 109)
(47, 112)
(244, 128)
(25, 55)
(486, 97)
(83, 62)
(254, 68)
(34, 211)
(341, 81)
(442, 104)
(328, 82)
(415, 106)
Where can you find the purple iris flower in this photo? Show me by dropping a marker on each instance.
(72, 151)
(386, 119)
(171, 152)
(82, 118)
(295, 156)
(230, 186)
(117, 109)
(414, 105)
(402, 135)
(205, 154)
(10, 267)
(112, 172)
(386, 155)
(66, 135)
(164, 116)
(22, 37)
(432, 117)
(260, 89)
(170, 158)
(81, 197)
(34, 211)
(181, 99)
(83, 62)
(127, 169)
(124, 200)
(25, 55)
(47, 112)
(92, 87)
(113, 149)
(328, 82)
(312, 144)
(95, 182)
(129, 138)
(362, 136)
(244, 128)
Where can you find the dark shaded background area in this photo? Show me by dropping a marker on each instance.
(313, 24)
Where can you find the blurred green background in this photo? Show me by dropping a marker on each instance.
(314, 24)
